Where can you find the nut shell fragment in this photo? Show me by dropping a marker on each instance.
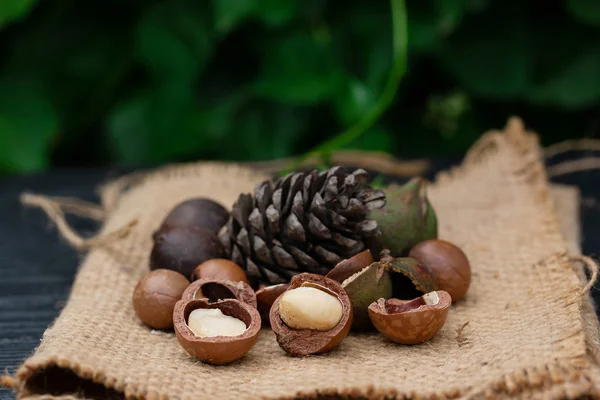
(217, 349)
(302, 342)
(411, 321)
(350, 266)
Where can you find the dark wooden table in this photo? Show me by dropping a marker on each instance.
(37, 268)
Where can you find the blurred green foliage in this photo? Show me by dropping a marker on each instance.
(146, 82)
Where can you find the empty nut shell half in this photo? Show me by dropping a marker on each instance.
(215, 290)
(411, 321)
(216, 349)
(302, 342)
(266, 296)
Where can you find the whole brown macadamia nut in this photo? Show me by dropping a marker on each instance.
(448, 263)
(220, 269)
(155, 296)
(183, 249)
(202, 212)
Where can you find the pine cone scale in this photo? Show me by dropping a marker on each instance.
(317, 228)
(293, 229)
(283, 258)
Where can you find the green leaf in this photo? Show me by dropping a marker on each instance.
(28, 125)
(430, 23)
(173, 39)
(129, 131)
(228, 14)
(422, 28)
(13, 9)
(400, 50)
(451, 12)
(587, 11)
(299, 68)
(167, 123)
(368, 28)
(265, 132)
(574, 87)
(276, 13)
(153, 127)
(489, 57)
(354, 101)
(216, 119)
(375, 139)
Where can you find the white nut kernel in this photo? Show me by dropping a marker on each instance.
(431, 298)
(310, 308)
(210, 322)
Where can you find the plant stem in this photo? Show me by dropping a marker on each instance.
(400, 49)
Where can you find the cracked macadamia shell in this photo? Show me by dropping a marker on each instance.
(266, 296)
(302, 342)
(155, 295)
(411, 321)
(215, 289)
(217, 349)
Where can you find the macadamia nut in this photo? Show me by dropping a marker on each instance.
(205, 322)
(310, 308)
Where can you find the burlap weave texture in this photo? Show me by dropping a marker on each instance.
(523, 330)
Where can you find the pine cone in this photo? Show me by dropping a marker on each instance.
(306, 222)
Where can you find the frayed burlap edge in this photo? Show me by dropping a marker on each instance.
(574, 378)
(556, 381)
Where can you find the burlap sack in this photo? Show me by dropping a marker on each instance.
(524, 330)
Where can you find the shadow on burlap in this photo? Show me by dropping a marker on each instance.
(524, 329)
